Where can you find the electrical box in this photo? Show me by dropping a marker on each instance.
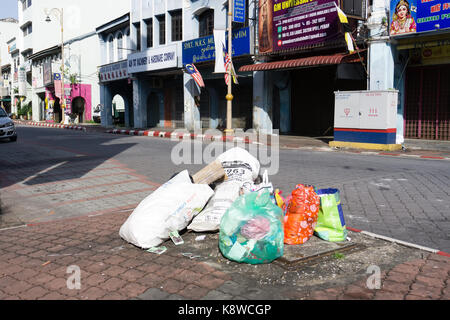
(366, 116)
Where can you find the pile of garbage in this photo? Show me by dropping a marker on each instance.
(229, 196)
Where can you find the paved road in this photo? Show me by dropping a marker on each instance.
(53, 173)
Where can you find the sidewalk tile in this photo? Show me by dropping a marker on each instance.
(154, 294)
(430, 281)
(194, 292)
(33, 293)
(172, 286)
(425, 291)
(132, 290)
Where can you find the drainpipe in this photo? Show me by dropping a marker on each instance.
(256, 25)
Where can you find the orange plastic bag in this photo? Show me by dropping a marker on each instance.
(302, 210)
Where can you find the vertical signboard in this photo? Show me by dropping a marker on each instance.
(22, 77)
(286, 24)
(47, 73)
(239, 11)
(418, 16)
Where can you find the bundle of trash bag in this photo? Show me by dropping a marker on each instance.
(251, 231)
(330, 221)
(169, 208)
(240, 168)
(302, 208)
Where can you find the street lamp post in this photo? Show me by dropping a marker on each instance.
(229, 130)
(1, 80)
(61, 20)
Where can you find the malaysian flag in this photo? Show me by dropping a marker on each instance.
(229, 64)
(192, 70)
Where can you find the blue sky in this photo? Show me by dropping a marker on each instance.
(8, 9)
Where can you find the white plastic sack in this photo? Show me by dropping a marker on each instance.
(209, 219)
(248, 187)
(240, 167)
(171, 207)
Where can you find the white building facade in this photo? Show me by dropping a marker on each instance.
(164, 36)
(8, 65)
(41, 35)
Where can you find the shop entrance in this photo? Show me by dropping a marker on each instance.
(312, 96)
(204, 103)
(57, 113)
(427, 103)
(78, 108)
(312, 109)
(152, 110)
(118, 110)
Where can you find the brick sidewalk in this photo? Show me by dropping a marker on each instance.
(34, 261)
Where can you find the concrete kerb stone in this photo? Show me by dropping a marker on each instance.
(223, 138)
(401, 242)
(52, 125)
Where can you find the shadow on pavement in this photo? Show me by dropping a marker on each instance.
(45, 159)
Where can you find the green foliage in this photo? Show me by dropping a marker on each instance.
(74, 78)
(25, 110)
(339, 255)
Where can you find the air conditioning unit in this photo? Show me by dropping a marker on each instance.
(355, 8)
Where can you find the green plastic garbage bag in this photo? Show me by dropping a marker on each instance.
(251, 231)
(330, 222)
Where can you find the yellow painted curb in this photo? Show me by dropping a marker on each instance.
(367, 146)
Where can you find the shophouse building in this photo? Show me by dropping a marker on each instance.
(116, 88)
(8, 65)
(302, 58)
(164, 37)
(419, 46)
(43, 34)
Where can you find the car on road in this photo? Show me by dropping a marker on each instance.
(7, 127)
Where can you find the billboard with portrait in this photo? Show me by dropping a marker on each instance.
(413, 16)
(286, 24)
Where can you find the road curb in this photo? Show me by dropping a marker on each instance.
(193, 136)
(51, 125)
(222, 138)
(180, 136)
(401, 242)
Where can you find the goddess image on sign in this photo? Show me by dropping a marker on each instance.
(402, 20)
(265, 25)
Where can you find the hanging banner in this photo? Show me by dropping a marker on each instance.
(47, 73)
(239, 11)
(153, 59)
(112, 72)
(413, 16)
(219, 44)
(303, 23)
(203, 49)
(22, 77)
(58, 88)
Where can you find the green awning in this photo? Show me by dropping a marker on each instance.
(6, 100)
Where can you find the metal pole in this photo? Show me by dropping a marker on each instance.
(1, 75)
(63, 100)
(229, 97)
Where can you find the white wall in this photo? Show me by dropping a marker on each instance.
(81, 18)
(8, 30)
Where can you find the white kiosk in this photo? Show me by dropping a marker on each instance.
(366, 119)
